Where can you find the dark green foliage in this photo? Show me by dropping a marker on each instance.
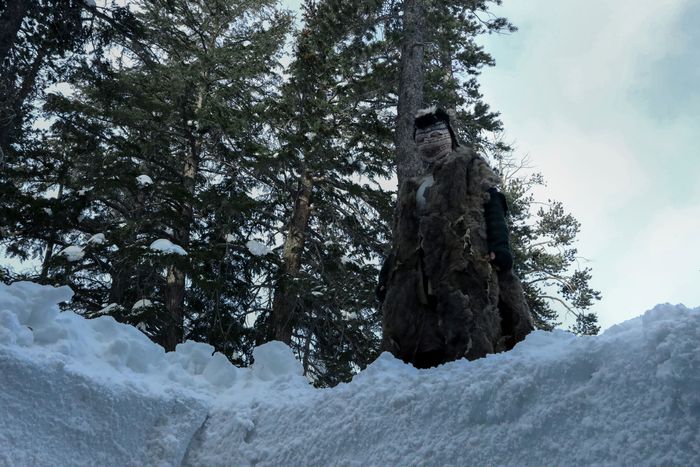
(454, 61)
(184, 103)
(328, 124)
(35, 38)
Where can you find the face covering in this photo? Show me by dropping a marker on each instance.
(433, 142)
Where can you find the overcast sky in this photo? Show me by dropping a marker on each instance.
(603, 96)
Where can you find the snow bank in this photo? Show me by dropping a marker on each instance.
(257, 248)
(95, 392)
(72, 253)
(628, 397)
(75, 391)
(164, 245)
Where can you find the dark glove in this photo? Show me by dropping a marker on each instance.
(497, 236)
(503, 260)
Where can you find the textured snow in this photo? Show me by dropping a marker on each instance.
(141, 304)
(109, 308)
(144, 180)
(166, 246)
(257, 248)
(97, 239)
(72, 253)
(426, 111)
(96, 392)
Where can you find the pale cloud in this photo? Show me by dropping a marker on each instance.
(662, 264)
(571, 87)
(583, 54)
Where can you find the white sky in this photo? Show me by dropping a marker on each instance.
(603, 96)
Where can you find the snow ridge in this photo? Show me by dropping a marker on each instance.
(95, 392)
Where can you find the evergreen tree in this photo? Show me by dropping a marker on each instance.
(450, 62)
(440, 64)
(166, 137)
(35, 36)
(335, 224)
(179, 128)
(40, 42)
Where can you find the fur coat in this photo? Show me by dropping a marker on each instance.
(444, 299)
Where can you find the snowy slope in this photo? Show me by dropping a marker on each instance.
(94, 392)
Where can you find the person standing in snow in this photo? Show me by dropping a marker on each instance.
(447, 288)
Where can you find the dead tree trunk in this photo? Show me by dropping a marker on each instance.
(285, 300)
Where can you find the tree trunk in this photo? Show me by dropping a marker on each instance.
(174, 303)
(50, 244)
(175, 279)
(410, 90)
(45, 263)
(285, 301)
(118, 284)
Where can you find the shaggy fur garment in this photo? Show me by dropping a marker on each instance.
(444, 300)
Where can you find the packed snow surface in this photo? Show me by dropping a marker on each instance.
(97, 239)
(96, 392)
(143, 303)
(257, 248)
(72, 253)
(166, 246)
(144, 180)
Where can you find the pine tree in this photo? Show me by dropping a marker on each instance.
(41, 41)
(180, 128)
(34, 38)
(334, 225)
(178, 122)
(451, 63)
(442, 61)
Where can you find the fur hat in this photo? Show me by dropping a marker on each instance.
(430, 116)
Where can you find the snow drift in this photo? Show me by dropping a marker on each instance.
(95, 392)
